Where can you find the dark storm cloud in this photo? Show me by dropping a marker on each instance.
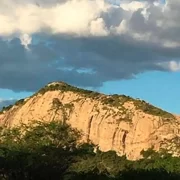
(121, 44)
(64, 59)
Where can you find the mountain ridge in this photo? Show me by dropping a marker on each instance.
(114, 122)
(66, 87)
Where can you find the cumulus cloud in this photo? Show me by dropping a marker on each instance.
(85, 43)
(25, 40)
(73, 16)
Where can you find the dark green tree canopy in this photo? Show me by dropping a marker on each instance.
(46, 151)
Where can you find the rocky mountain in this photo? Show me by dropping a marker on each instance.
(114, 122)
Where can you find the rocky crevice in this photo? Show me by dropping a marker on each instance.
(124, 141)
(113, 138)
(89, 128)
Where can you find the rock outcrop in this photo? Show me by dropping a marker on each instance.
(115, 122)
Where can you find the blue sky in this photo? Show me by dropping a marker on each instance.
(158, 88)
(131, 49)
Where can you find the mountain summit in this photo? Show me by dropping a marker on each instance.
(113, 122)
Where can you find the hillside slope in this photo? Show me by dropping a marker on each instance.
(115, 122)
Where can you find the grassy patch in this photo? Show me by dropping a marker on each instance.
(20, 102)
(150, 109)
(69, 106)
(116, 100)
(63, 87)
(119, 100)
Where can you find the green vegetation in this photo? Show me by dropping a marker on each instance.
(116, 100)
(150, 109)
(113, 100)
(47, 151)
(17, 103)
(6, 108)
(63, 87)
(20, 102)
(58, 105)
(69, 106)
(119, 100)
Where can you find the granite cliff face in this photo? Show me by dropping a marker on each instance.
(115, 122)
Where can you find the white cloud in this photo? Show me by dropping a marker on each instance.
(98, 28)
(114, 41)
(85, 18)
(25, 40)
(133, 6)
(174, 66)
(74, 16)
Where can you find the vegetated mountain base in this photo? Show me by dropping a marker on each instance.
(117, 122)
(52, 150)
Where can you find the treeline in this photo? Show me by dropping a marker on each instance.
(50, 151)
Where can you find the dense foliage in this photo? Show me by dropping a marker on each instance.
(49, 151)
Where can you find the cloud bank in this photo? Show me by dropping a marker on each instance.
(85, 42)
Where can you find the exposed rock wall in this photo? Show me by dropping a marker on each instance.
(102, 124)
